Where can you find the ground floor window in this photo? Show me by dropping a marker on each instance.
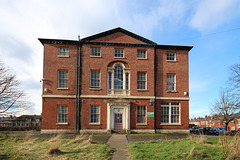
(62, 113)
(170, 113)
(95, 114)
(141, 114)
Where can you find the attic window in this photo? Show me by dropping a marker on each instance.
(118, 53)
(95, 52)
(63, 52)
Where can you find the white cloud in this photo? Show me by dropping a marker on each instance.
(211, 14)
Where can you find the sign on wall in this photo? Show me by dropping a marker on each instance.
(150, 114)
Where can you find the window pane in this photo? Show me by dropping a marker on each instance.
(62, 113)
(171, 56)
(96, 52)
(63, 51)
(171, 82)
(164, 113)
(62, 79)
(109, 80)
(95, 79)
(127, 80)
(94, 113)
(118, 52)
(141, 80)
(141, 114)
(118, 77)
(141, 54)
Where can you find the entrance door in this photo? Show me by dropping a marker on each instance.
(118, 121)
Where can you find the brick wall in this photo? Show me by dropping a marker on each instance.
(49, 113)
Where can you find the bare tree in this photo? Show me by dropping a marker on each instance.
(12, 97)
(234, 79)
(227, 105)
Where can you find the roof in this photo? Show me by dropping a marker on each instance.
(89, 40)
(115, 30)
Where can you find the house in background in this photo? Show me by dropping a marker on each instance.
(27, 122)
(216, 121)
(114, 80)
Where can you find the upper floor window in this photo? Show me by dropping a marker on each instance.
(62, 113)
(141, 114)
(94, 79)
(118, 53)
(118, 79)
(171, 56)
(62, 78)
(141, 54)
(63, 52)
(171, 82)
(96, 52)
(95, 114)
(170, 112)
(141, 80)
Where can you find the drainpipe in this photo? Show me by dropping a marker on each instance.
(78, 86)
(155, 80)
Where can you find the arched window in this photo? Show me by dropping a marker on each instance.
(118, 79)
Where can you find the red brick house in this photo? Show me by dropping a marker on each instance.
(114, 80)
(216, 121)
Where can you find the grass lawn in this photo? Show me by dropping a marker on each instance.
(52, 148)
(187, 148)
(9, 132)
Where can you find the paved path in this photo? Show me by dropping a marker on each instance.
(119, 142)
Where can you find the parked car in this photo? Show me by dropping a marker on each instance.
(190, 130)
(224, 131)
(214, 130)
(221, 131)
(195, 129)
(204, 130)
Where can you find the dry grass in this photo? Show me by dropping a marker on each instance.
(55, 143)
(231, 146)
(201, 139)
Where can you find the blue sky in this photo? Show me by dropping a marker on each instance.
(211, 26)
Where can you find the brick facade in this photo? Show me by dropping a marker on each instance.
(111, 101)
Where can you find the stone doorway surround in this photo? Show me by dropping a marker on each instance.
(114, 105)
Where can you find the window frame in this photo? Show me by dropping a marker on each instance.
(118, 53)
(63, 53)
(94, 52)
(143, 108)
(62, 82)
(97, 79)
(142, 81)
(169, 82)
(169, 106)
(97, 114)
(60, 118)
(111, 80)
(139, 54)
(171, 56)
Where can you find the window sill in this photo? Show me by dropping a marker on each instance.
(119, 57)
(172, 91)
(61, 124)
(142, 124)
(142, 90)
(63, 56)
(172, 61)
(94, 124)
(95, 89)
(142, 58)
(95, 56)
(170, 124)
(63, 88)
